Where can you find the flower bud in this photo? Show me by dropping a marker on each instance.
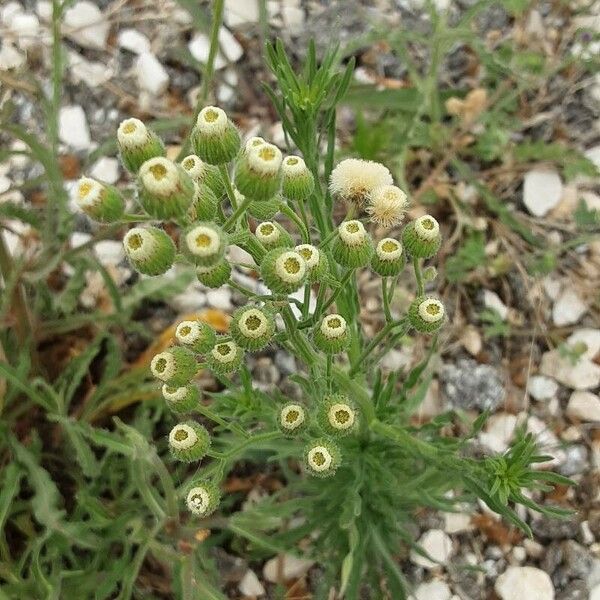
(353, 180)
(181, 399)
(137, 144)
(215, 138)
(98, 201)
(352, 247)
(292, 419)
(189, 441)
(204, 174)
(421, 237)
(175, 366)
(252, 328)
(252, 143)
(165, 189)
(197, 336)
(298, 182)
(203, 498)
(316, 261)
(389, 258)
(337, 415)
(322, 457)
(225, 357)
(204, 204)
(426, 314)
(331, 335)
(387, 205)
(272, 235)
(283, 271)
(214, 276)
(258, 172)
(150, 250)
(204, 244)
(429, 274)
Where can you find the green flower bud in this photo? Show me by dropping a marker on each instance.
(204, 174)
(204, 244)
(181, 399)
(165, 190)
(389, 258)
(331, 335)
(272, 235)
(322, 457)
(265, 209)
(150, 250)
(204, 204)
(215, 138)
(225, 357)
(426, 314)
(137, 144)
(98, 201)
(258, 172)
(316, 261)
(283, 271)
(252, 328)
(189, 441)
(203, 498)
(352, 247)
(196, 335)
(175, 366)
(215, 276)
(292, 419)
(429, 274)
(421, 237)
(337, 415)
(298, 182)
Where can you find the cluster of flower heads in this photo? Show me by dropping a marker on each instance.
(190, 193)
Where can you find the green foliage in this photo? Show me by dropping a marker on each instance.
(469, 256)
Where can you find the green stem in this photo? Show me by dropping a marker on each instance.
(343, 281)
(228, 187)
(237, 213)
(386, 300)
(419, 276)
(328, 238)
(296, 337)
(168, 487)
(286, 210)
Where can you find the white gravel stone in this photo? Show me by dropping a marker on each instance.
(230, 49)
(432, 590)
(581, 375)
(44, 10)
(10, 57)
(73, 128)
(190, 300)
(292, 568)
(250, 585)
(568, 308)
(151, 75)
(547, 441)
(595, 593)
(106, 169)
(241, 12)
(109, 252)
(93, 74)
(78, 239)
(9, 11)
(25, 28)
(584, 406)
(437, 544)
(590, 337)
(134, 41)
(540, 387)
(219, 298)
(493, 301)
(86, 25)
(471, 340)
(293, 18)
(498, 432)
(457, 522)
(227, 90)
(524, 583)
(542, 191)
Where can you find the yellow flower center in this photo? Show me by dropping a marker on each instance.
(292, 265)
(159, 171)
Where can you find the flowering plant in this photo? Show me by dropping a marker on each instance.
(307, 227)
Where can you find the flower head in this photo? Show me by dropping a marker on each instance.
(426, 314)
(353, 180)
(189, 441)
(292, 419)
(387, 205)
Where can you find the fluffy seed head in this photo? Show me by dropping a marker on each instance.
(427, 228)
(333, 326)
(160, 176)
(352, 233)
(203, 241)
(132, 133)
(431, 310)
(353, 180)
(387, 205)
(264, 159)
(389, 249)
(292, 416)
(182, 437)
(212, 121)
(290, 267)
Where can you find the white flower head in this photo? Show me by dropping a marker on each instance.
(212, 120)
(292, 416)
(163, 366)
(139, 243)
(265, 159)
(387, 205)
(341, 416)
(290, 267)
(188, 332)
(309, 253)
(389, 249)
(203, 241)
(89, 192)
(267, 232)
(198, 500)
(354, 179)
(193, 166)
(253, 323)
(319, 458)
(427, 228)
(352, 233)
(254, 142)
(225, 352)
(293, 166)
(182, 437)
(160, 176)
(174, 394)
(333, 326)
(431, 310)
(132, 133)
